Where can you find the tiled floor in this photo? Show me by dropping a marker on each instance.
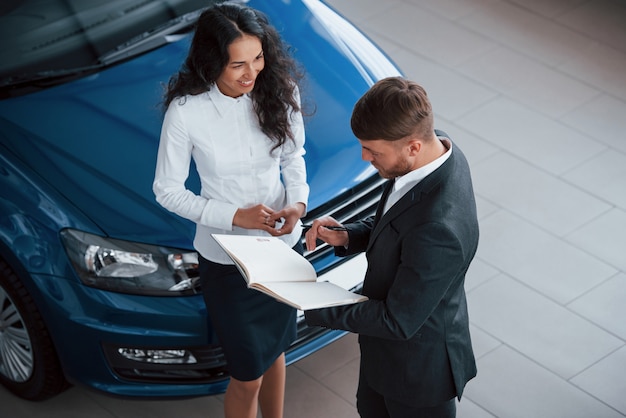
(534, 92)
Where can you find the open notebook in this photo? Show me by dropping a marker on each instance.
(271, 267)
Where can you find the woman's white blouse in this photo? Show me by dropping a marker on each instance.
(233, 160)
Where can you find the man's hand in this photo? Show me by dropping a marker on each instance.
(319, 231)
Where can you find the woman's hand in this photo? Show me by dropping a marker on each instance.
(266, 219)
(255, 217)
(289, 217)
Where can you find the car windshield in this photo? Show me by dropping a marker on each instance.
(42, 39)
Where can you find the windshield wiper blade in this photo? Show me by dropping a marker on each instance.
(164, 34)
(159, 36)
(18, 85)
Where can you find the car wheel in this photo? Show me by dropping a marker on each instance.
(29, 366)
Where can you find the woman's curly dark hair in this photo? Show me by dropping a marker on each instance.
(273, 94)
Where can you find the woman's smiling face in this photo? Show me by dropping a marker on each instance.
(246, 62)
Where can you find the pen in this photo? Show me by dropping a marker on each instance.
(332, 228)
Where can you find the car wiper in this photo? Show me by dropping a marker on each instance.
(154, 38)
(22, 84)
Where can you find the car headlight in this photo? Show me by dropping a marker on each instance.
(131, 267)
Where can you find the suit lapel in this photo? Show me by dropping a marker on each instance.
(411, 198)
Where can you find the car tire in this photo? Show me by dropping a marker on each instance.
(29, 366)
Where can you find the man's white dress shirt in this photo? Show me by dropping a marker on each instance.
(406, 182)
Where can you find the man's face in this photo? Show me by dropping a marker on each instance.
(391, 158)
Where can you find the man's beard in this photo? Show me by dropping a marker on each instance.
(401, 168)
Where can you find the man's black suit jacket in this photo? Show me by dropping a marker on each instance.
(414, 329)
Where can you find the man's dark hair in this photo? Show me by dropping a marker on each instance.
(392, 109)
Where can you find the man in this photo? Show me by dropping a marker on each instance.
(416, 354)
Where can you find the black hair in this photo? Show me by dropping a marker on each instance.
(273, 95)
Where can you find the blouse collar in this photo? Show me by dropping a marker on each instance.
(223, 103)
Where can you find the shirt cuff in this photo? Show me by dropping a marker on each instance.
(298, 197)
(219, 215)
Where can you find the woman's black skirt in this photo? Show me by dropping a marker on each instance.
(253, 328)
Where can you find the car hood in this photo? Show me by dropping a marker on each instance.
(95, 139)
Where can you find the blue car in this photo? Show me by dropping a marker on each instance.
(98, 283)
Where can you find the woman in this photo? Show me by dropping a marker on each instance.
(234, 107)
